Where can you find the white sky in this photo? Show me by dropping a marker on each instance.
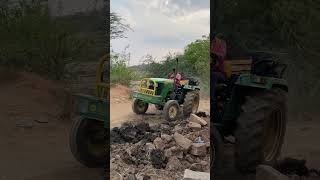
(160, 26)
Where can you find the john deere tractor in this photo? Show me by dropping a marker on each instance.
(88, 135)
(250, 106)
(167, 95)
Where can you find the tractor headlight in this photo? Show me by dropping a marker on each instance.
(259, 80)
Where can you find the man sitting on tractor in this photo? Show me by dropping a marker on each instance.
(218, 54)
(178, 77)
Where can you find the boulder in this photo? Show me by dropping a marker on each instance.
(194, 175)
(167, 138)
(194, 126)
(182, 141)
(173, 164)
(198, 149)
(196, 119)
(173, 151)
(159, 143)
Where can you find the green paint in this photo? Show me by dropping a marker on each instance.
(92, 107)
(269, 82)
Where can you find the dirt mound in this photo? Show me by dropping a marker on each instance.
(28, 95)
(119, 94)
(129, 132)
(161, 151)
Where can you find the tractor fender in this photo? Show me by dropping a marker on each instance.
(261, 82)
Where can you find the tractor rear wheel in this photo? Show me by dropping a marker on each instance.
(139, 107)
(261, 129)
(191, 103)
(216, 151)
(87, 142)
(171, 110)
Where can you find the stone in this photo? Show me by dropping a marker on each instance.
(194, 126)
(265, 172)
(194, 175)
(177, 128)
(198, 149)
(173, 164)
(196, 167)
(182, 141)
(189, 158)
(196, 119)
(167, 138)
(173, 151)
(131, 177)
(158, 143)
(150, 146)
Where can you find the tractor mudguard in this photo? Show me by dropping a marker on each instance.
(92, 107)
(263, 82)
(189, 87)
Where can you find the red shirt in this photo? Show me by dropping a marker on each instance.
(219, 48)
(178, 77)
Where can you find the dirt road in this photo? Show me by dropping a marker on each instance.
(33, 138)
(121, 107)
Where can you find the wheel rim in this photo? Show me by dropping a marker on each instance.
(272, 135)
(195, 104)
(173, 111)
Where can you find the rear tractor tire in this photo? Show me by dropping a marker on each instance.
(191, 103)
(139, 107)
(171, 110)
(87, 142)
(261, 129)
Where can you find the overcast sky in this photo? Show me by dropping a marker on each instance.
(160, 26)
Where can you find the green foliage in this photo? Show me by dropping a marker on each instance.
(119, 72)
(194, 62)
(117, 26)
(31, 40)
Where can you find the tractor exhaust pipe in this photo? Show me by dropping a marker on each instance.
(175, 75)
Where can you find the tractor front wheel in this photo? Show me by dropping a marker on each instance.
(261, 129)
(171, 110)
(87, 142)
(139, 107)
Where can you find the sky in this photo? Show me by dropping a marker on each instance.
(160, 26)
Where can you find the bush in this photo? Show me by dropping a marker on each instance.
(32, 41)
(119, 72)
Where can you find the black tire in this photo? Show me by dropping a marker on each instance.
(216, 151)
(83, 135)
(261, 125)
(191, 103)
(159, 107)
(168, 110)
(139, 107)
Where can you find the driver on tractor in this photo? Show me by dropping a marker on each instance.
(178, 77)
(218, 54)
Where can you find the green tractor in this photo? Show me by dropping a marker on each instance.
(167, 95)
(88, 135)
(251, 106)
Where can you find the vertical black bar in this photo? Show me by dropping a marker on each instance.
(107, 125)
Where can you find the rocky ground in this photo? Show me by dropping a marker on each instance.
(160, 151)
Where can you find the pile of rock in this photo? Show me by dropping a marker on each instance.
(173, 147)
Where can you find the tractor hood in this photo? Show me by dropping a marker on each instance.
(161, 80)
